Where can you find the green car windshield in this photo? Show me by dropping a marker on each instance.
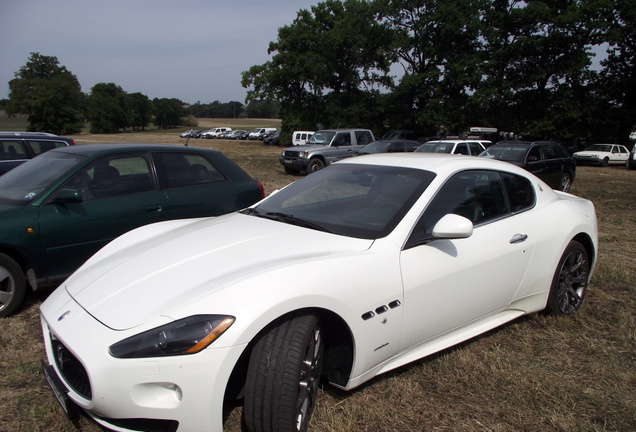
(23, 184)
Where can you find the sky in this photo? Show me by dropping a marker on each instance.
(192, 50)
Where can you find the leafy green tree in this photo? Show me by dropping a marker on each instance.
(109, 111)
(49, 95)
(325, 66)
(437, 45)
(168, 112)
(616, 24)
(140, 110)
(536, 67)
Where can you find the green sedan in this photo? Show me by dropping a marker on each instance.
(61, 207)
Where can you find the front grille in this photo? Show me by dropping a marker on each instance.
(290, 153)
(71, 369)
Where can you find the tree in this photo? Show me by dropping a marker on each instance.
(616, 21)
(140, 110)
(108, 112)
(168, 112)
(48, 94)
(326, 66)
(437, 45)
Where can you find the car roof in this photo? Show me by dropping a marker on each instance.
(441, 163)
(95, 149)
(28, 135)
(457, 141)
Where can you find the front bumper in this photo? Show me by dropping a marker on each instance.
(180, 393)
(294, 162)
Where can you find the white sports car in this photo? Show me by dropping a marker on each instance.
(343, 275)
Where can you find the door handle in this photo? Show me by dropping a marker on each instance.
(154, 208)
(518, 238)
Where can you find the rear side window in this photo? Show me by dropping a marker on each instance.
(12, 149)
(40, 147)
(187, 169)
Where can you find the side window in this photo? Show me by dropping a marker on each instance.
(534, 154)
(519, 191)
(474, 148)
(40, 147)
(12, 149)
(343, 139)
(363, 137)
(462, 148)
(476, 195)
(113, 176)
(187, 169)
(550, 152)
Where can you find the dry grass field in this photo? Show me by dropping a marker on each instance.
(536, 374)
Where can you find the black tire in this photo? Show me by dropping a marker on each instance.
(315, 165)
(566, 182)
(570, 281)
(605, 162)
(283, 376)
(12, 285)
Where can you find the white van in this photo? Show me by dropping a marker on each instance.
(259, 132)
(214, 132)
(301, 137)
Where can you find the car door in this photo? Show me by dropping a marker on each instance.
(538, 165)
(118, 193)
(341, 147)
(450, 283)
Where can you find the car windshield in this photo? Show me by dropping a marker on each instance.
(23, 184)
(435, 147)
(362, 201)
(510, 153)
(600, 148)
(321, 137)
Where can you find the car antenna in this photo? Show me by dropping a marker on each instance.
(188, 139)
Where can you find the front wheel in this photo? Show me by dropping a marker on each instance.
(283, 376)
(605, 162)
(12, 285)
(570, 281)
(315, 165)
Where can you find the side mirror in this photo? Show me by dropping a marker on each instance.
(68, 196)
(453, 226)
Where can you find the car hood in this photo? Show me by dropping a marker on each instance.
(591, 153)
(155, 270)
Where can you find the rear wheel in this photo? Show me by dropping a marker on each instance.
(12, 285)
(570, 281)
(566, 182)
(283, 376)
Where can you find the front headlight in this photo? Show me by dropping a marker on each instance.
(186, 336)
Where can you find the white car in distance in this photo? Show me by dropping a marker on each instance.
(603, 155)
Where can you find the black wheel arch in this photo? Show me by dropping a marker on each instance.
(338, 351)
(587, 243)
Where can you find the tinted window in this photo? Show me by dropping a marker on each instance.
(357, 201)
(12, 149)
(479, 196)
(40, 147)
(113, 176)
(188, 169)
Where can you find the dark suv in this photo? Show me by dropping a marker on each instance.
(18, 147)
(548, 160)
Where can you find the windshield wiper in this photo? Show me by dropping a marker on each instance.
(292, 220)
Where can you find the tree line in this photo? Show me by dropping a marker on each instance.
(51, 98)
(560, 69)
